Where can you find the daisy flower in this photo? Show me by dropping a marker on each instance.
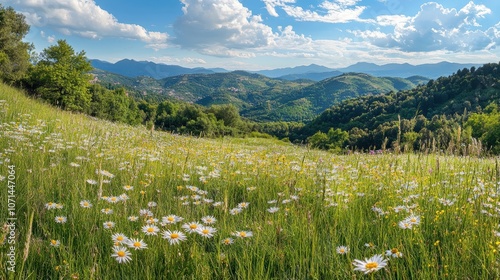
(370, 265)
(243, 205)
(209, 220)
(150, 230)
(55, 243)
(121, 254)
(171, 219)
(405, 225)
(413, 220)
(206, 231)
(85, 204)
(113, 199)
(227, 241)
(133, 218)
(342, 250)
(243, 234)
(174, 237)
(119, 238)
(107, 211)
(151, 221)
(108, 225)
(145, 212)
(136, 244)
(191, 227)
(50, 205)
(394, 252)
(92, 182)
(273, 209)
(61, 219)
(235, 211)
(128, 188)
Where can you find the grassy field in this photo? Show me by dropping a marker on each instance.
(97, 200)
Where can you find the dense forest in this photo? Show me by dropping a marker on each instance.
(458, 113)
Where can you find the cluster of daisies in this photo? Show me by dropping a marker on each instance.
(122, 243)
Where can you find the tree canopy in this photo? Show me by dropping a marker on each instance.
(14, 53)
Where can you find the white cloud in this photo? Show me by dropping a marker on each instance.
(83, 18)
(220, 27)
(433, 28)
(336, 11)
(177, 60)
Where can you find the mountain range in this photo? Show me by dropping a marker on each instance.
(132, 68)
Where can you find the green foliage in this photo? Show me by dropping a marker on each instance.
(335, 139)
(429, 117)
(61, 77)
(486, 126)
(14, 53)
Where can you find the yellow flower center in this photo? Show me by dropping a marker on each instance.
(394, 250)
(60, 219)
(205, 231)
(174, 235)
(413, 220)
(342, 250)
(371, 265)
(137, 244)
(243, 234)
(121, 254)
(150, 229)
(193, 226)
(119, 238)
(227, 241)
(54, 242)
(85, 204)
(170, 219)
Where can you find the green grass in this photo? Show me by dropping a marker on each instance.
(324, 201)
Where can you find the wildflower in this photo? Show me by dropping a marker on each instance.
(145, 212)
(235, 211)
(55, 243)
(174, 237)
(105, 173)
(370, 245)
(342, 250)
(60, 219)
(413, 220)
(151, 221)
(136, 244)
(243, 205)
(243, 234)
(74, 164)
(206, 231)
(405, 224)
(107, 211)
(227, 241)
(113, 199)
(50, 205)
(171, 219)
(152, 204)
(128, 188)
(92, 182)
(150, 230)
(191, 227)
(58, 206)
(133, 218)
(119, 238)
(273, 209)
(209, 220)
(109, 225)
(85, 204)
(394, 252)
(121, 254)
(217, 204)
(370, 265)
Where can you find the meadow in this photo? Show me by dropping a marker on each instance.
(99, 200)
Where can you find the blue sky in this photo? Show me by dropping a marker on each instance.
(268, 34)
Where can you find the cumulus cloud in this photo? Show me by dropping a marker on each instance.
(433, 28)
(220, 27)
(84, 18)
(336, 11)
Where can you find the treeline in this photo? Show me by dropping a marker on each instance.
(444, 114)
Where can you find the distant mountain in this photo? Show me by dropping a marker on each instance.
(280, 72)
(311, 76)
(432, 71)
(132, 68)
(306, 103)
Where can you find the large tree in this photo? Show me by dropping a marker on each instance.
(61, 77)
(14, 53)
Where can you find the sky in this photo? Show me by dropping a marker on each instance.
(268, 34)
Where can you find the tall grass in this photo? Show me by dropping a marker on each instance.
(324, 200)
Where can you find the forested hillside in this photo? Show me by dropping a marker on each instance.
(434, 114)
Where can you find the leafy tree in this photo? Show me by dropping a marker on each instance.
(61, 77)
(14, 53)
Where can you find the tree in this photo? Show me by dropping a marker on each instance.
(61, 77)
(14, 53)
